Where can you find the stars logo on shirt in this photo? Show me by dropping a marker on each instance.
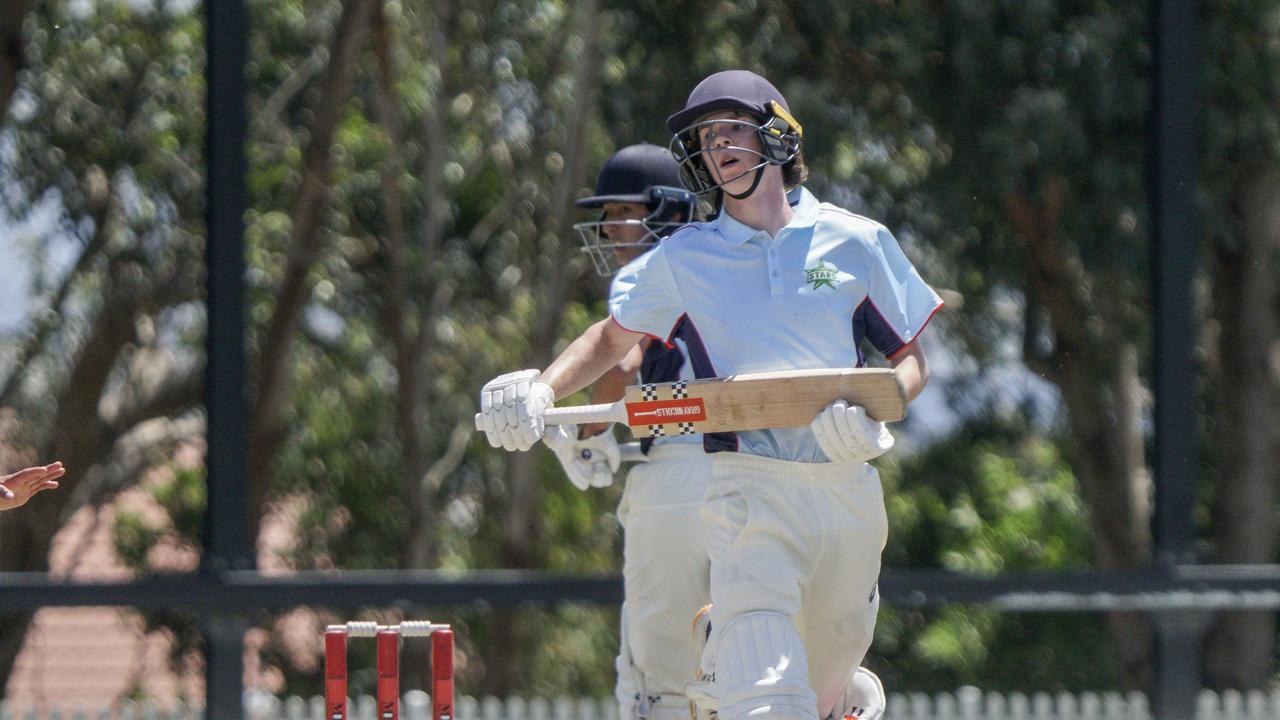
(821, 274)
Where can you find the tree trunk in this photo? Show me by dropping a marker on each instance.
(1102, 394)
(275, 373)
(520, 519)
(12, 60)
(406, 335)
(409, 334)
(1241, 648)
(12, 634)
(1116, 485)
(79, 440)
(396, 306)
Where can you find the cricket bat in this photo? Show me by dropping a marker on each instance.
(752, 401)
(628, 452)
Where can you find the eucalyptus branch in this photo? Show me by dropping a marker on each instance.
(52, 319)
(452, 458)
(178, 393)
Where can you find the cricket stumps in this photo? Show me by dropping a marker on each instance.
(387, 692)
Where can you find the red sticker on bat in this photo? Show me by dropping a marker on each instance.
(662, 412)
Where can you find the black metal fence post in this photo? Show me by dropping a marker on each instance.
(226, 542)
(1173, 180)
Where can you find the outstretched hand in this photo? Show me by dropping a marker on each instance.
(17, 489)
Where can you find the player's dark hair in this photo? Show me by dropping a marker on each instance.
(795, 172)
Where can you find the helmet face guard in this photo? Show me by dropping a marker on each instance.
(669, 209)
(779, 137)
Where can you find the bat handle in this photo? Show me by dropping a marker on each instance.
(629, 452)
(607, 412)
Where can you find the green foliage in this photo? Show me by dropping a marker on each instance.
(1007, 502)
(1241, 91)
(940, 650)
(182, 498)
(992, 498)
(133, 537)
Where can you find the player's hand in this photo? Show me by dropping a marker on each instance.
(589, 462)
(511, 409)
(18, 488)
(846, 434)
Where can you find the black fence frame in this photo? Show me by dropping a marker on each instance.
(226, 589)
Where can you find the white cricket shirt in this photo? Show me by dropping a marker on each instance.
(660, 364)
(744, 302)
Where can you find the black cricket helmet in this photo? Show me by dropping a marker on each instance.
(780, 134)
(644, 174)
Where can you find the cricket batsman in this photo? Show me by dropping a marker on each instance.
(795, 517)
(666, 574)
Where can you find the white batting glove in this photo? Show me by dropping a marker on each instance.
(589, 462)
(846, 434)
(511, 408)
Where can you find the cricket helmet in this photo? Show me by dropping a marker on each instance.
(644, 174)
(779, 133)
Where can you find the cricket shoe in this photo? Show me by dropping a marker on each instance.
(863, 698)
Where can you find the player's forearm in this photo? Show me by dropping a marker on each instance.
(912, 369)
(613, 384)
(586, 359)
(612, 387)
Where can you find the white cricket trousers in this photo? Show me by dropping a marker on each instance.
(666, 575)
(795, 561)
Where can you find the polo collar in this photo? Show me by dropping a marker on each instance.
(804, 208)
(732, 230)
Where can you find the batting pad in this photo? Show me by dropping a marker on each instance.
(762, 670)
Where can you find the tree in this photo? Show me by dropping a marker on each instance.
(274, 371)
(1242, 240)
(996, 496)
(105, 379)
(1040, 112)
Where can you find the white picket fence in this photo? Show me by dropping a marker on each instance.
(965, 704)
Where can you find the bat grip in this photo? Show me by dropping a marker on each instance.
(607, 412)
(630, 452)
(627, 452)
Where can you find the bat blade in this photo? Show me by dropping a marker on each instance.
(756, 401)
